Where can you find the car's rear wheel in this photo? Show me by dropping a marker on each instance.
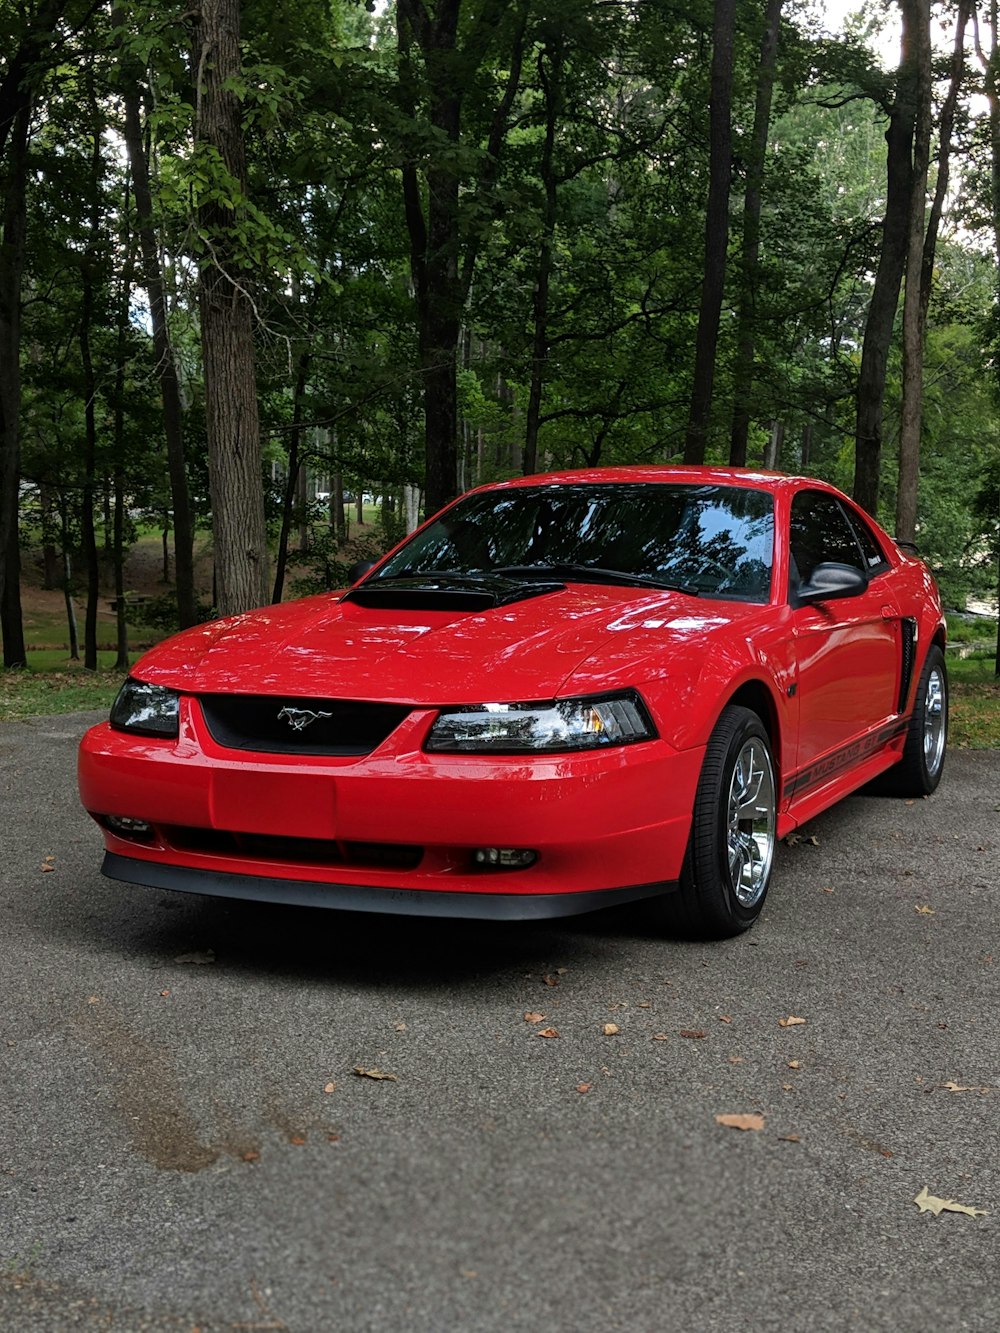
(730, 853)
(919, 770)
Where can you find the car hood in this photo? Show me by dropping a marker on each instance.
(586, 635)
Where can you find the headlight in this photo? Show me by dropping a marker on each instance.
(565, 724)
(148, 710)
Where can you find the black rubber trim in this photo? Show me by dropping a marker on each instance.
(365, 898)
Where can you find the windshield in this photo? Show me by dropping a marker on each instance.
(712, 541)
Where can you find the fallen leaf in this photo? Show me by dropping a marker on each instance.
(611, 1029)
(196, 956)
(740, 1121)
(793, 1064)
(828, 890)
(93, 999)
(297, 1139)
(924, 909)
(693, 1033)
(251, 1155)
(561, 971)
(930, 1203)
(374, 1073)
(547, 1032)
(736, 1059)
(584, 1087)
(333, 1138)
(47, 867)
(789, 1138)
(644, 1004)
(532, 1017)
(164, 993)
(660, 1036)
(551, 981)
(400, 1027)
(468, 1272)
(790, 1022)
(330, 1087)
(725, 1018)
(961, 1087)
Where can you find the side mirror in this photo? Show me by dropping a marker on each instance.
(359, 570)
(830, 581)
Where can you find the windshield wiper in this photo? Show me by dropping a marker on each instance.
(593, 574)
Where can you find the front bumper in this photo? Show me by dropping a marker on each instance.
(394, 830)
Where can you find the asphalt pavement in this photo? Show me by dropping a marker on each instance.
(185, 1142)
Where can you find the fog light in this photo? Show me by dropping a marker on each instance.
(127, 827)
(504, 858)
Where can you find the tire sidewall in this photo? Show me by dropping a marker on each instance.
(710, 854)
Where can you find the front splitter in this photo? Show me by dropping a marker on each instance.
(366, 898)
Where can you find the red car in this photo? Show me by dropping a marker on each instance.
(562, 692)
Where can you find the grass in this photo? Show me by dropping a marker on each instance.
(974, 720)
(46, 689)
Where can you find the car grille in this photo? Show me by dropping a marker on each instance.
(297, 851)
(270, 724)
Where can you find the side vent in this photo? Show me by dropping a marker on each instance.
(908, 636)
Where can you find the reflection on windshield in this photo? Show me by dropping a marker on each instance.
(716, 541)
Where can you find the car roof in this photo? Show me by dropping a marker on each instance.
(680, 474)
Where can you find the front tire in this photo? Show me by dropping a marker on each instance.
(727, 868)
(919, 770)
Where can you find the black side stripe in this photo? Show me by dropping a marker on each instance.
(816, 774)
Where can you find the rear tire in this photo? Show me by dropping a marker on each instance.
(922, 763)
(727, 867)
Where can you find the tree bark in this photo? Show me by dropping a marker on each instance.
(921, 249)
(292, 486)
(888, 277)
(227, 322)
(12, 252)
(439, 283)
(551, 81)
(750, 256)
(166, 368)
(990, 61)
(716, 230)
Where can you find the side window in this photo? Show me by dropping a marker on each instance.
(871, 548)
(819, 532)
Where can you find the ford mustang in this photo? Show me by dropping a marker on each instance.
(562, 692)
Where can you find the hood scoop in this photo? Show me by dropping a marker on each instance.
(447, 592)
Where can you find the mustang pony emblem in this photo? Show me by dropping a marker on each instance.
(300, 718)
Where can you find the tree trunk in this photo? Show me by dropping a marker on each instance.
(89, 275)
(750, 257)
(233, 430)
(166, 369)
(12, 251)
(716, 230)
(118, 481)
(921, 249)
(292, 486)
(337, 508)
(439, 283)
(990, 61)
(914, 311)
(888, 278)
(551, 81)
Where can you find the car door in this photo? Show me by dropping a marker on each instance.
(846, 650)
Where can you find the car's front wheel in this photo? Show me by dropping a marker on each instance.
(730, 853)
(919, 770)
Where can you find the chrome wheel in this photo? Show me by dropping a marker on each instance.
(935, 720)
(750, 835)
